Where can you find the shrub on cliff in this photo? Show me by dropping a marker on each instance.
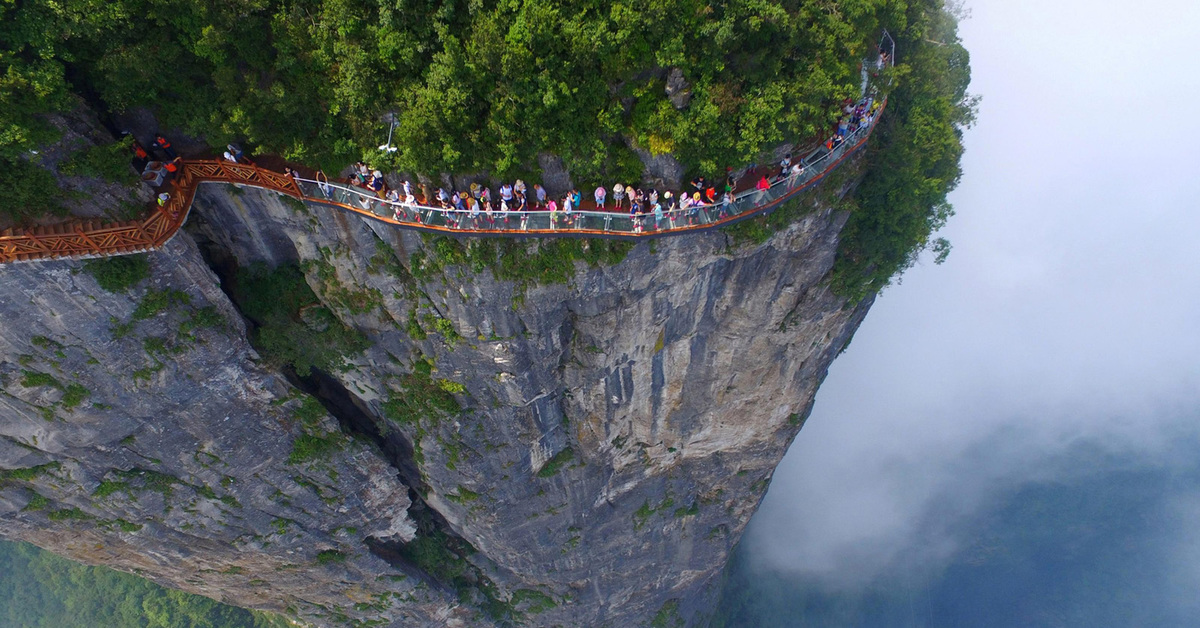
(292, 327)
(110, 162)
(118, 274)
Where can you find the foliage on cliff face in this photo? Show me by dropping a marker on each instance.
(914, 163)
(118, 274)
(293, 328)
(40, 589)
(474, 85)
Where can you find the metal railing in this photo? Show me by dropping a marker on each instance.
(816, 165)
(92, 238)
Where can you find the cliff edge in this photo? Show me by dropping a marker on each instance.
(520, 432)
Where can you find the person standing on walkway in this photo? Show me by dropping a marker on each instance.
(323, 183)
(523, 207)
(474, 212)
(393, 197)
(619, 195)
(731, 178)
(762, 186)
(600, 195)
(795, 174)
(140, 156)
(539, 195)
(164, 145)
(504, 207)
(172, 167)
(411, 202)
(694, 209)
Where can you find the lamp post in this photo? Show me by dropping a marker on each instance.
(388, 148)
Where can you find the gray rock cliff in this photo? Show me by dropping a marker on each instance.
(608, 440)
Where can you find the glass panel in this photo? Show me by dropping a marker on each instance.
(814, 162)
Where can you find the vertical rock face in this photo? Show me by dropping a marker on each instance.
(146, 439)
(613, 434)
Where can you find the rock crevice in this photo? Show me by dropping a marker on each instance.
(507, 451)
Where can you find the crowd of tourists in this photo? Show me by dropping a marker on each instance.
(509, 206)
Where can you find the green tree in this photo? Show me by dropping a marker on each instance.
(915, 161)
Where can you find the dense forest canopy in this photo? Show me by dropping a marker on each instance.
(474, 86)
(487, 85)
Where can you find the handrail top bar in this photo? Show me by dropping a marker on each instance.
(77, 239)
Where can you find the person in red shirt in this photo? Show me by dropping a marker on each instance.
(762, 186)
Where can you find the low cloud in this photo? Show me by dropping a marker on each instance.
(1067, 317)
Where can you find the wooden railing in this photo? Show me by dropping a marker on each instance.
(89, 237)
